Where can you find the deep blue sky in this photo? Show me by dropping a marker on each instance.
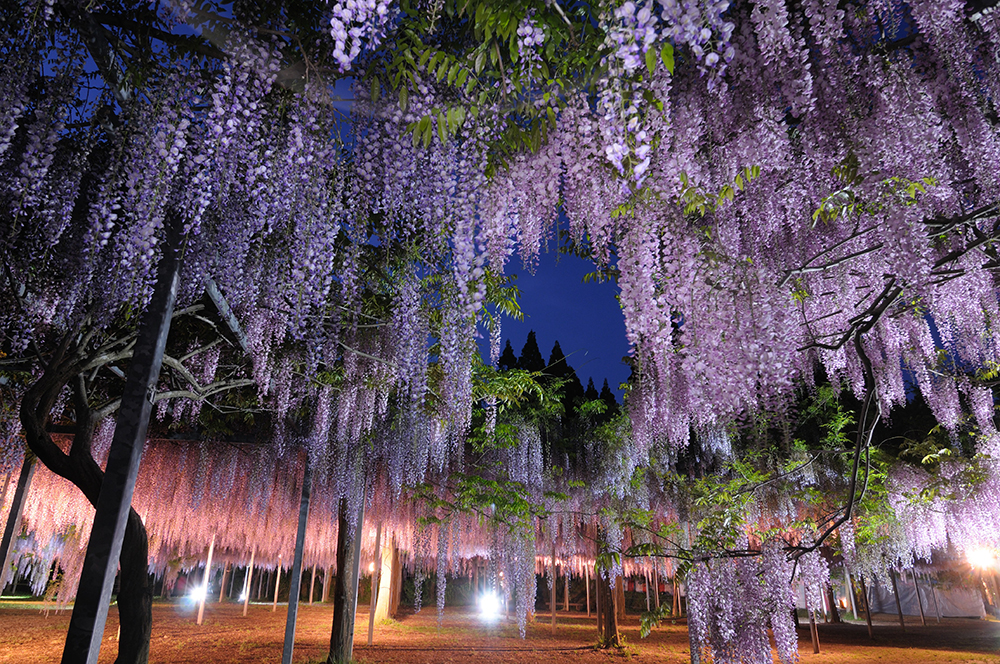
(584, 318)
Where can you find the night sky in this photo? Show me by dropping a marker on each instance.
(583, 317)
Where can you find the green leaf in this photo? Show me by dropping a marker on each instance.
(667, 55)
(404, 98)
(651, 61)
(442, 127)
(376, 90)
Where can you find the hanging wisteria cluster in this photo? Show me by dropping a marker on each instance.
(782, 193)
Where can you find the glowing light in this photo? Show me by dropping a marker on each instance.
(198, 593)
(489, 606)
(243, 597)
(982, 557)
(371, 567)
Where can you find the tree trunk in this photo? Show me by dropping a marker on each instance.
(345, 592)
(387, 579)
(607, 615)
(895, 593)
(831, 599)
(135, 593)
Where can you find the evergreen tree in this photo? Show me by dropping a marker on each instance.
(591, 392)
(507, 359)
(557, 363)
(608, 397)
(531, 358)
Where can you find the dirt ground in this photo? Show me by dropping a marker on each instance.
(27, 636)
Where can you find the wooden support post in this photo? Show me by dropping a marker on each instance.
(920, 605)
(100, 565)
(867, 607)
(295, 587)
(656, 587)
(645, 580)
(850, 593)
(345, 592)
(895, 593)
(203, 595)
(586, 581)
(246, 587)
(552, 597)
(389, 570)
(13, 527)
(277, 583)
(814, 631)
(225, 576)
(327, 577)
(312, 585)
(566, 589)
(675, 609)
(375, 569)
(937, 607)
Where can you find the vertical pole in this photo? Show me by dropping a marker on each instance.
(645, 580)
(204, 582)
(937, 607)
(850, 593)
(294, 589)
(327, 577)
(586, 580)
(376, 568)
(312, 585)
(814, 631)
(656, 587)
(552, 598)
(100, 565)
(920, 605)
(566, 589)
(867, 607)
(225, 577)
(277, 582)
(895, 593)
(246, 591)
(13, 527)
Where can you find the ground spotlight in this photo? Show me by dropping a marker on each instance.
(489, 606)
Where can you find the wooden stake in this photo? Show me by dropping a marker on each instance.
(920, 605)
(586, 581)
(13, 526)
(246, 585)
(376, 568)
(895, 593)
(552, 598)
(566, 589)
(295, 587)
(205, 580)
(312, 585)
(656, 587)
(814, 631)
(867, 607)
(104, 547)
(225, 577)
(645, 579)
(850, 593)
(277, 582)
(937, 608)
(327, 577)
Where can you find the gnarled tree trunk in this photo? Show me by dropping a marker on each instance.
(135, 595)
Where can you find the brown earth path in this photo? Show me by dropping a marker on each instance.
(27, 636)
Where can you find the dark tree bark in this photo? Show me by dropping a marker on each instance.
(608, 615)
(135, 595)
(345, 592)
